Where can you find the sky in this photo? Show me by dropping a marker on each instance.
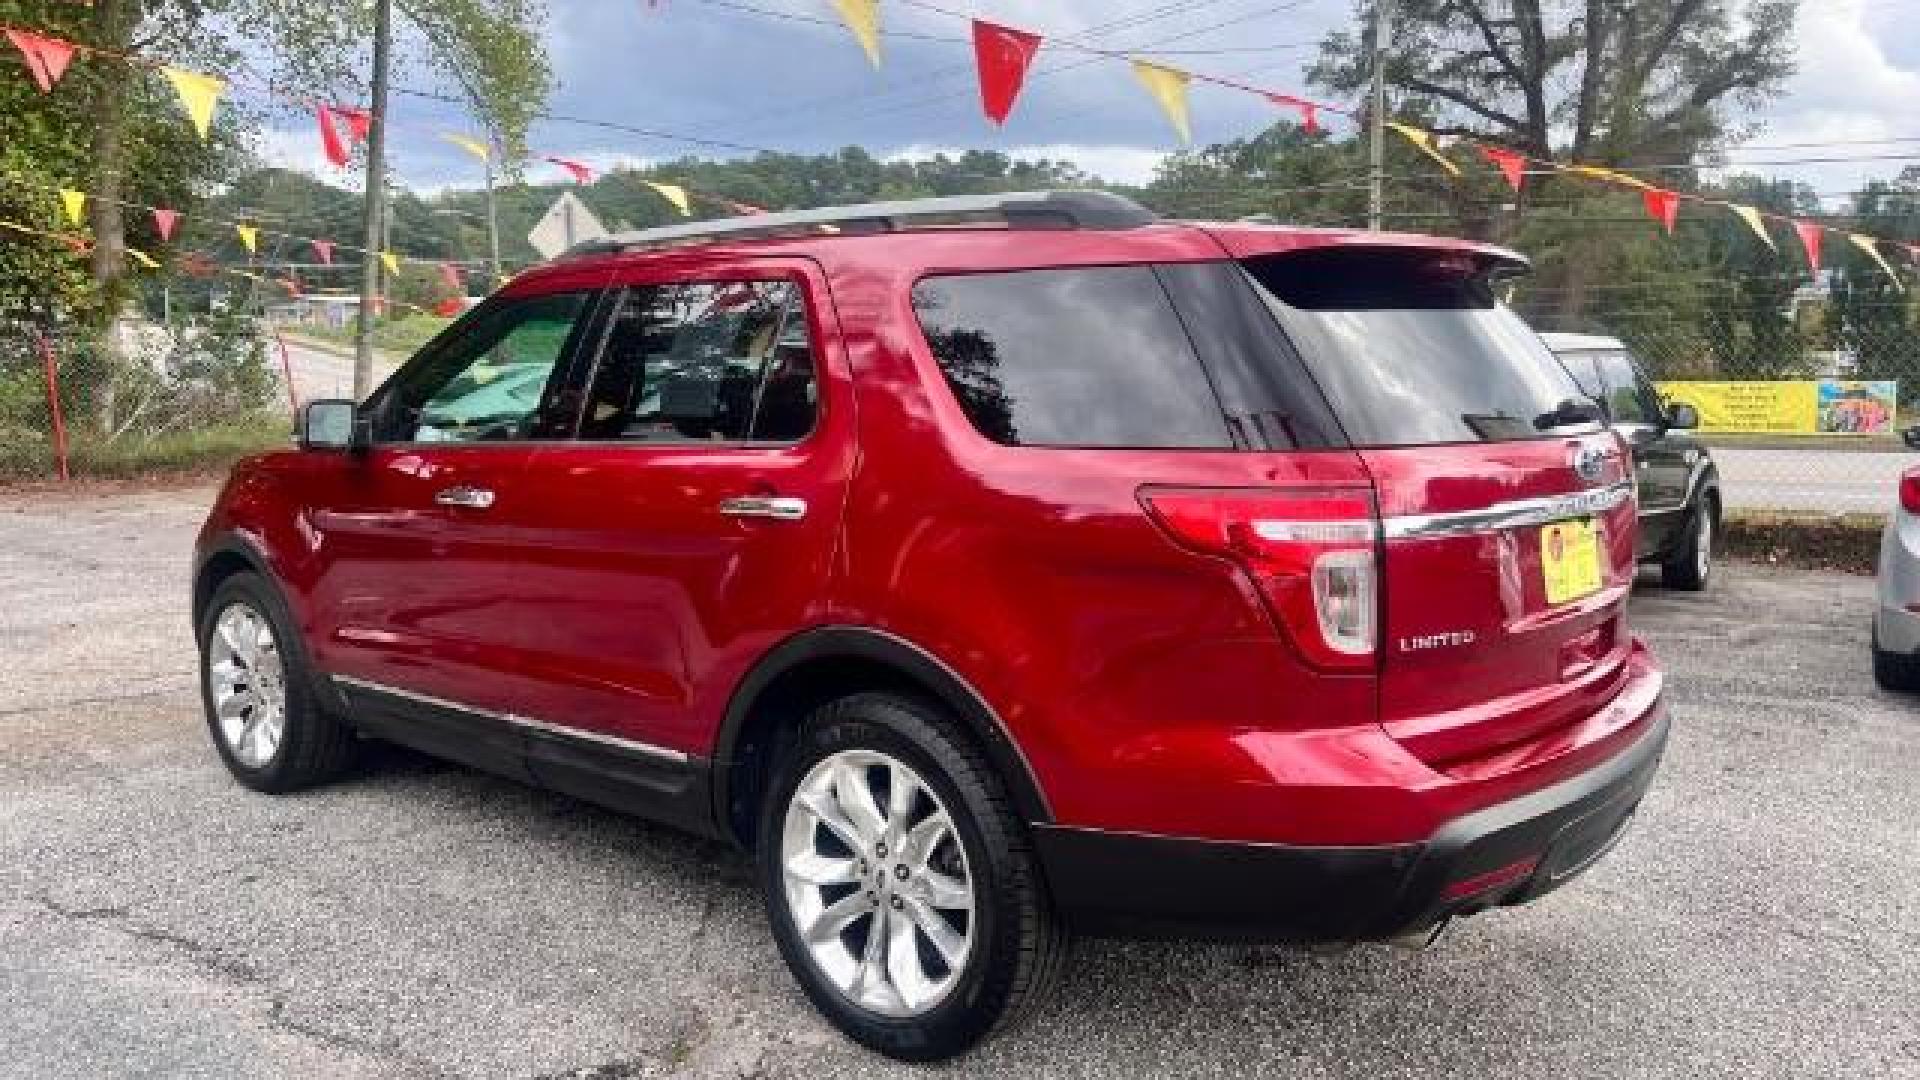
(709, 70)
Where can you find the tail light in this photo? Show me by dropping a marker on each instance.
(1311, 553)
(1910, 490)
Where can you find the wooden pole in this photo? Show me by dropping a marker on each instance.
(375, 215)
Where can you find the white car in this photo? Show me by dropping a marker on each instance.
(1896, 623)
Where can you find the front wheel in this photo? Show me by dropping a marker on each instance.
(1691, 564)
(900, 885)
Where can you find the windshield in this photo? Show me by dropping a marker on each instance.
(1411, 348)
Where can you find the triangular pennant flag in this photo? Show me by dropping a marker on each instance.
(740, 208)
(1168, 87)
(470, 145)
(292, 285)
(199, 93)
(46, 57)
(330, 143)
(1866, 244)
(249, 237)
(163, 222)
(143, 258)
(1002, 55)
(1610, 175)
(449, 308)
(863, 18)
(324, 250)
(1662, 206)
(75, 204)
(1752, 217)
(1309, 111)
(1423, 139)
(581, 173)
(674, 194)
(359, 121)
(450, 277)
(1810, 240)
(1511, 165)
(391, 262)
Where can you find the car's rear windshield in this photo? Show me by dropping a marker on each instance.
(1412, 348)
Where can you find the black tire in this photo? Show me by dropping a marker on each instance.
(1688, 568)
(315, 745)
(1897, 673)
(1019, 945)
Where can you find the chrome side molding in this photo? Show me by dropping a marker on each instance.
(648, 749)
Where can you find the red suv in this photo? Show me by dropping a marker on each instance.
(992, 568)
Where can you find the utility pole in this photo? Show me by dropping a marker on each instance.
(493, 232)
(1377, 119)
(376, 201)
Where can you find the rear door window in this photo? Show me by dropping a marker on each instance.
(1628, 399)
(1081, 356)
(1411, 347)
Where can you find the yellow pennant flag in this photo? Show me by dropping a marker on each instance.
(391, 262)
(863, 18)
(470, 145)
(250, 236)
(143, 258)
(199, 93)
(1424, 140)
(75, 203)
(1752, 217)
(1866, 244)
(1168, 87)
(674, 194)
(1610, 175)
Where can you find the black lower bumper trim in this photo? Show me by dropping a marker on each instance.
(1137, 885)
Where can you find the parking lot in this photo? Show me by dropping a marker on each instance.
(1762, 918)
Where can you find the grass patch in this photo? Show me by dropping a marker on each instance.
(403, 336)
(1849, 543)
(203, 450)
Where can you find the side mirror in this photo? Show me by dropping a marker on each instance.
(1682, 416)
(1911, 436)
(330, 424)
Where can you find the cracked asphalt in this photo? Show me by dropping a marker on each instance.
(419, 919)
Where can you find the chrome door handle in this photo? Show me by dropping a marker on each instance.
(779, 508)
(473, 498)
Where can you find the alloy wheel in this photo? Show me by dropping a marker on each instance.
(1703, 545)
(877, 883)
(247, 683)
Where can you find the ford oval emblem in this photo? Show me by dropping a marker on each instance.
(1589, 462)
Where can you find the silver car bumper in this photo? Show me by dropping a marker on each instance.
(1897, 622)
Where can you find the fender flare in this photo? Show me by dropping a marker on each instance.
(239, 545)
(910, 659)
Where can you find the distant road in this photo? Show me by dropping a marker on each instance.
(327, 371)
(1813, 479)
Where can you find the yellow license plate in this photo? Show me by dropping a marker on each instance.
(1570, 559)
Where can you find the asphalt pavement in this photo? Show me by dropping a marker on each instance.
(1762, 918)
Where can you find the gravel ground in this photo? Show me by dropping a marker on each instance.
(423, 920)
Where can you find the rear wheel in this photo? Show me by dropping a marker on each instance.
(1897, 673)
(255, 685)
(901, 887)
(1691, 564)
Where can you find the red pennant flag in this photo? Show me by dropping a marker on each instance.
(46, 57)
(1309, 111)
(324, 249)
(1663, 205)
(359, 121)
(450, 277)
(163, 222)
(336, 151)
(450, 308)
(581, 173)
(743, 209)
(1810, 239)
(1511, 165)
(292, 285)
(1002, 55)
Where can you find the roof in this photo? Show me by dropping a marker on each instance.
(1581, 342)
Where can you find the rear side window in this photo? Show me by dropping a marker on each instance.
(1411, 348)
(1083, 356)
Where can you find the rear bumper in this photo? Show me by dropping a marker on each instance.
(1508, 853)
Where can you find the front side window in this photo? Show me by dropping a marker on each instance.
(705, 361)
(1083, 356)
(493, 383)
(1412, 349)
(1628, 400)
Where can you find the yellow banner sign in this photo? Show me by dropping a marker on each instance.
(1804, 407)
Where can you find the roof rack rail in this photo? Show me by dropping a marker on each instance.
(1011, 210)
